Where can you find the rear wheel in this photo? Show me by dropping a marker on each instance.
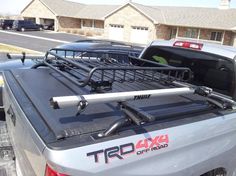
(40, 28)
(22, 29)
(8, 28)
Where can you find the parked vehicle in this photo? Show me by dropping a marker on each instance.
(23, 25)
(93, 113)
(49, 26)
(6, 24)
(212, 64)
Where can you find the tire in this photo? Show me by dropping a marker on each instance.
(22, 29)
(40, 28)
(8, 28)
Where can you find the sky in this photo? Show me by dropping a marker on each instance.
(15, 6)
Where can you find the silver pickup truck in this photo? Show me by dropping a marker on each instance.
(170, 112)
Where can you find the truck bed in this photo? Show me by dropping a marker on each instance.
(61, 128)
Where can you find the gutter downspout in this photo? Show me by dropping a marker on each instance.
(93, 25)
(56, 23)
(233, 41)
(177, 32)
(223, 38)
(199, 33)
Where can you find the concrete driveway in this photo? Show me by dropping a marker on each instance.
(37, 40)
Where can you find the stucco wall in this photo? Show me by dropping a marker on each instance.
(128, 16)
(38, 10)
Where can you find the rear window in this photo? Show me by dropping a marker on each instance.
(28, 22)
(8, 21)
(208, 69)
(22, 22)
(15, 22)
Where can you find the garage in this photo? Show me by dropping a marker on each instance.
(47, 23)
(139, 34)
(116, 32)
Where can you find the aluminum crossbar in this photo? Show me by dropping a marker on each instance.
(81, 101)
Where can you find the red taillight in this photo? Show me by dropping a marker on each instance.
(191, 45)
(50, 172)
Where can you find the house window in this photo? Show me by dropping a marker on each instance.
(173, 33)
(216, 36)
(98, 24)
(191, 33)
(87, 23)
(116, 26)
(140, 28)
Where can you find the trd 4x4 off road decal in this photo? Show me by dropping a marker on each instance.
(141, 147)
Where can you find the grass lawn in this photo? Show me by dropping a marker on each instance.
(16, 50)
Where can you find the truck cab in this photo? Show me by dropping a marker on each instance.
(212, 65)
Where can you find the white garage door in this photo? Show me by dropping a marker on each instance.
(116, 32)
(139, 34)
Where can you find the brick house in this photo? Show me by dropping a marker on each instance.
(207, 24)
(66, 15)
(139, 23)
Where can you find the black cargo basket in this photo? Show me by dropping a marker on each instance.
(100, 69)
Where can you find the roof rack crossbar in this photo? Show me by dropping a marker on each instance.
(102, 71)
(81, 101)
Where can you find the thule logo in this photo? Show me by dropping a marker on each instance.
(141, 97)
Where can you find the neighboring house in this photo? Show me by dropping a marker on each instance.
(138, 23)
(66, 15)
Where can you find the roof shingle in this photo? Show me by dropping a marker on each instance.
(191, 16)
(176, 16)
(200, 17)
(97, 12)
(63, 8)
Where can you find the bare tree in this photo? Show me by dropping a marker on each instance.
(1, 15)
(7, 16)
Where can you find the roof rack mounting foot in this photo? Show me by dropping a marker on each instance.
(203, 91)
(81, 107)
(114, 127)
(38, 65)
(137, 115)
(100, 89)
(221, 102)
(215, 99)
